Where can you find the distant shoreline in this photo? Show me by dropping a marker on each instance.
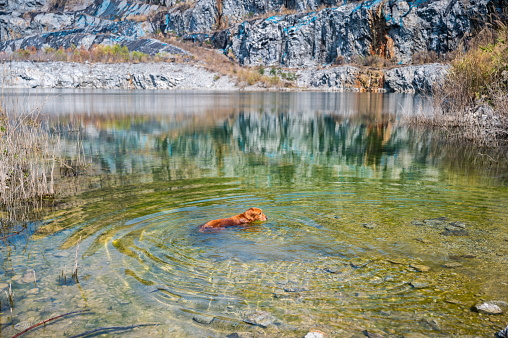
(192, 76)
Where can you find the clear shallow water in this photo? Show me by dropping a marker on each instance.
(339, 176)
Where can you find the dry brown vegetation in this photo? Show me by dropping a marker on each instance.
(28, 158)
(473, 100)
(98, 53)
(31, 163)
(373, 61)
(432, 57)
(137, 18)
(217, 62)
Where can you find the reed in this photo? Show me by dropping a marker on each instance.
(28, 158)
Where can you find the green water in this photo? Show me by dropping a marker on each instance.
(342, 180)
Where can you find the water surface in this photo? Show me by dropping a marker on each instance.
(356, 201)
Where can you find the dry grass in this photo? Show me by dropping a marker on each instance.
(372, 61)
(28, 158)
(31, 163)
(184, 6)
(98, 53)
(425, 57)
(473, 101)
(224, 65)
(137, 18)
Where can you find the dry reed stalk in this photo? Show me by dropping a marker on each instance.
(27, 156)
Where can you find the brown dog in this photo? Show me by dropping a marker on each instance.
(251, 215)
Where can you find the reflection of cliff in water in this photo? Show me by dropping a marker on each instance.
(173, 136)
(159, 103)
(256, 143)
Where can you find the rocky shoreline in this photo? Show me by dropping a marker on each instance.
(171, 76)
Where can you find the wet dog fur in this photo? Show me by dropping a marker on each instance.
(251, 215)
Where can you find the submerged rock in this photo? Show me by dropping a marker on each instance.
(372, 334)
(455, 232)
(370, 225)
(452, 265)
(295, 289)
(488, 308)
(458, 224)
(453, 301)
(315, 334)
(240, 335)
(435, 222)
(260, 318)
(420, 268)
(359, 262)
(22, 326)
(419, 284)
(203, 319)
(415, 335)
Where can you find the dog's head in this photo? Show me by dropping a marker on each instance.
(255, 214)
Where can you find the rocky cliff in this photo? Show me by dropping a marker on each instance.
(315, 32)
(303, 34)
(393, 30)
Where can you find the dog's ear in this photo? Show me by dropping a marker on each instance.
(250, 215)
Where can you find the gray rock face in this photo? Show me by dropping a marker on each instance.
(336, 78)
(97, 17)
(110, 76)
(392, 29)
(415, 79)
(203, 15)
(396, 30)
(409, 79)
(158, 76)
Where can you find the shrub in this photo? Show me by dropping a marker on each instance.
(478, 75)
(474, 95)
(339, 60)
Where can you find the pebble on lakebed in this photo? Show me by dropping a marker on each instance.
(260, 318)
(315, 334)
(419, 268)
(202, 319)
(419, 284)
(370, 225)
(489, 308)
(452, 265)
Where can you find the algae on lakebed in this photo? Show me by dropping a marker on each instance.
(319, 173)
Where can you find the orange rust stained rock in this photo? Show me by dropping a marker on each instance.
(369, 80)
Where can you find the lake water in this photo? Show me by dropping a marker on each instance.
(357, 203)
